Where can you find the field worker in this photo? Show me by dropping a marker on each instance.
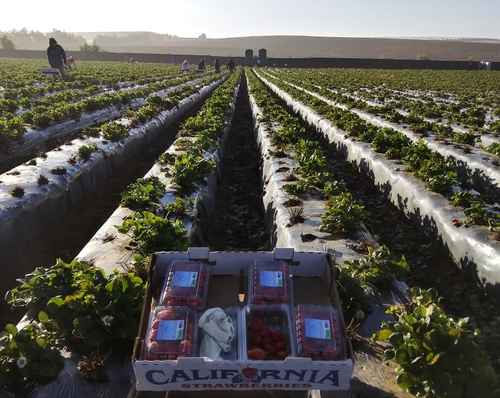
(201, 66)
(56, 55)
(231, 65)
(185, 66)
(217, 66)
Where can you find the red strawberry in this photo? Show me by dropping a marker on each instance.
(257, 354)
(280, 345)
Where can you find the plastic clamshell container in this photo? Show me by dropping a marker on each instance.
(235, 353)
(319, 333)
(269, 283)
(268, 333)
(186, 284)
(171, 334)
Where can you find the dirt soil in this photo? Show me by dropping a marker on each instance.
(240, 223)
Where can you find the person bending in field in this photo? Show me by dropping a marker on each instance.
(231, 65)
(56, 55)
(201, 66)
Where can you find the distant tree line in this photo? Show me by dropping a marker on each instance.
(6, 43)
(34, 40)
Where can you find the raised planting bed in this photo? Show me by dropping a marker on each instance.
(35, 139)
(35, 199)
(112, 254)
(475, 244)
(473, 160)
(110, 247)
(303, 231)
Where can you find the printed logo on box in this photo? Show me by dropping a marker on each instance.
(245, 378)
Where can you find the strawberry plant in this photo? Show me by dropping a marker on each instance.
(28, 357)
(17, 192)
(342, 214)
(153, 233)
(377, 270)
(90, 310)
(494, 149)
(114, 131)
(143, 194)
(86, 151)
(189, 170)
(437, 355)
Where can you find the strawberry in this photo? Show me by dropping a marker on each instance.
(270, 348)
(257, 354)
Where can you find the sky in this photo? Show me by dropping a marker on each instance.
(231, 18)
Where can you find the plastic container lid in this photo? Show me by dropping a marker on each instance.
(269, 283)
(268, 332)
(319, 333)
(186, 284)
(171, 334)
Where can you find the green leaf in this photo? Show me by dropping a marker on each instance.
(404, 381)
(383, 335)
(42, 342)
(56, 301)
(432, 359)
(11, 329)
(43, 317)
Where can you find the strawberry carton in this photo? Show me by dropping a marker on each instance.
(319, 333)
(269, 283)
(268, 333)
(186, 284)
(249, 348)
(171, 334)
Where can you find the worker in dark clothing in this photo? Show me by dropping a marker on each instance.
(56, 55)
(201, 66)
(231, 65)
(217, 66)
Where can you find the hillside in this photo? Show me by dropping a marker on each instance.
(304, 46)
(292, 46)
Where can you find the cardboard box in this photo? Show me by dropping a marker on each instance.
(313, 283)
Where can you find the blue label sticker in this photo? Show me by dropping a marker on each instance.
(318, 329)
(271, 278)
(185, 279)
(170, 330)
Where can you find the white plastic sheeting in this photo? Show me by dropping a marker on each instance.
(43, 207)
(111, 255)
(466, 245)
(33, 139)
(476, 160)
(109, 249)
(274, 172)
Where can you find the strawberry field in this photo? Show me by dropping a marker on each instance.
(395, 173)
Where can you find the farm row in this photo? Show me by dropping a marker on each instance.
(330, 179)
